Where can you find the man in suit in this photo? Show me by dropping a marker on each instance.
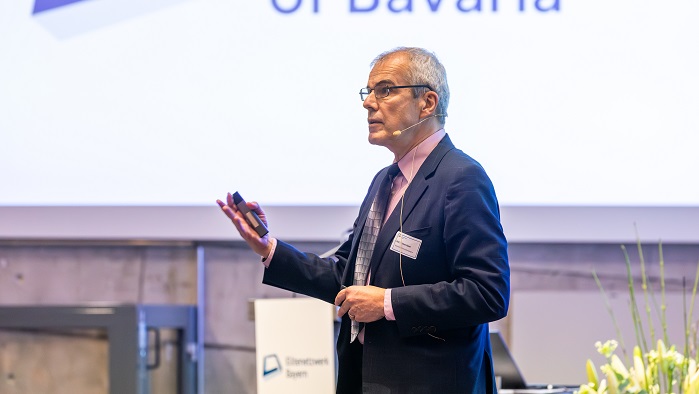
(425, 268)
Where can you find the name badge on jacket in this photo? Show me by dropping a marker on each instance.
(406, 245)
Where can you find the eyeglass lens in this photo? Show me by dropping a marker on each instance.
(380, 91)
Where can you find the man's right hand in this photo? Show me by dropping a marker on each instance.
(259, 245)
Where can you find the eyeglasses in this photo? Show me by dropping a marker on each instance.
(383, 90)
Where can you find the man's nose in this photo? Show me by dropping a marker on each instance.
(370, 102)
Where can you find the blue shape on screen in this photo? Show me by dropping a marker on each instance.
(45, 5)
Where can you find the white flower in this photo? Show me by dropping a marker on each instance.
(691, 382)
(613, 383)
(639, 370)
(592, 378)
(608, 348)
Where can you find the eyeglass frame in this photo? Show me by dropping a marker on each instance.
(367, 90)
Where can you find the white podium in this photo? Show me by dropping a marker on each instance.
(295, 346)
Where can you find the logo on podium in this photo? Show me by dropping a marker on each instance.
(271, 366)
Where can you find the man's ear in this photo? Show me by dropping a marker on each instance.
(429, 104)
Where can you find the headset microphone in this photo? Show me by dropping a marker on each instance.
(399, 132)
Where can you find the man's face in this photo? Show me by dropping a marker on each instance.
(397, 111)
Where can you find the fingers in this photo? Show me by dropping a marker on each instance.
(255, 207)
(228, 210)
(229, 200)
(340, 301)
(260, 245)
(361, 303)
(244, 228)
(343, 309)
(233, 213)
(340, 297)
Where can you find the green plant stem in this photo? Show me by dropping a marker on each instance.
(663, 306)
(644, 286)
(666, 380)
(637, 324)
(685, 351)
(608, 305)
(688, 322)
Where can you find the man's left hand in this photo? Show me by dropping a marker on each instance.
(363, 303)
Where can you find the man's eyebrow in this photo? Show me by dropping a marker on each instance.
(384, 81)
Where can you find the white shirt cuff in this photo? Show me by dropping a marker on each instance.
(388, 306)
(268, 259)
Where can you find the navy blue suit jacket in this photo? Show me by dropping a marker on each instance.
(458, 283)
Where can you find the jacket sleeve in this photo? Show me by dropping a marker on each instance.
(307, 273)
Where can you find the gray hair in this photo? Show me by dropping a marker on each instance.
(424, 69)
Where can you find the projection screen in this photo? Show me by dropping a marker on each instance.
(127, 119)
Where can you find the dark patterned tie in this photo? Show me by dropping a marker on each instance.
(372, 226)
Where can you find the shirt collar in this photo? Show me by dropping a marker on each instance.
(408, 166)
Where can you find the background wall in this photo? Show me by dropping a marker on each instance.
(555, 317)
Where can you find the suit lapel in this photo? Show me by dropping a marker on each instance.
(412, 196)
